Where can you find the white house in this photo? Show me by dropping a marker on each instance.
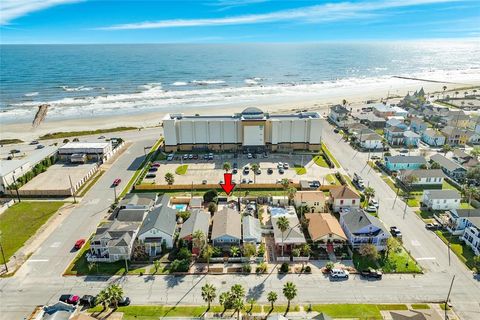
(441, 199)
(338, 115)
(458, 219)
(344, 197)
(370, 141)
(314, 200)
(158, 227)
(426, 178)
(471, 235)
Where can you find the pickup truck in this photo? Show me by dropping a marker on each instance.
(371, 274)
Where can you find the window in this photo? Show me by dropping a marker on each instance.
(353, 201)
(341, 201)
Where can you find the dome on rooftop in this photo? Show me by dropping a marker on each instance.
(252, 111)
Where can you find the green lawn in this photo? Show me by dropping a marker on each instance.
(425, 214)
(181, 170)
(19, 222)
(9, 141)
(395, 262)
(379, 131)
(463, 252)
(419, 306)
(332, 179)
(299, 169)
(465, 205)
(59, 135)
(357, 311)
(447, 185)
(157, 312)
(320, 161)
(330, 155)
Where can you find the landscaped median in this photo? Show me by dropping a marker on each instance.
(21, 221)
(330, 155)
(181, 170)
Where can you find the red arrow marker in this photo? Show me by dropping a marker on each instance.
(228, 185)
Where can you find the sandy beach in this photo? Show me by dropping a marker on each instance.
(355, 94)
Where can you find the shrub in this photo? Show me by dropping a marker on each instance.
(329, 266)
(261, 250)
(284, 268)
(212, 207)
(211, 196)
(184, 254)
(180, 266)
(296, 252)
(184, 215)
(261, 268)
(247, 268)
(308, 269)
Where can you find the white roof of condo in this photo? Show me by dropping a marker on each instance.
(85, 145)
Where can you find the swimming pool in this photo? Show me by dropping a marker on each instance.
(279, 212)
(180, 207)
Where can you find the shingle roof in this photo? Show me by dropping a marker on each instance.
(198, 220)
(310, 196)
(423, 173)
(131, 215)
(339, 109)
(343, 192)
(465, 213)
(322, 224)
(406, 159)
(139, 199)
(227, 222)
(410, 134)
(446, 163)
(162, 218)
(442, 194)
(293, 235)
(251, 229)
(357, 219)
(433, 133)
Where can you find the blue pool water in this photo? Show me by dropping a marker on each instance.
(180, 207)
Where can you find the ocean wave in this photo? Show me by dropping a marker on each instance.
(179, 83)
(151, 85)
(252, 81)
(207, 82)
(31, 94)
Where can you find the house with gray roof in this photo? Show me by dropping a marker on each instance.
(199, 220)
(371, 120)
(113, 241)
(226, 228)
(433, 138)
(138, 201)
(338, 115)
(362, 228)
(131, 215)
(424, 178)
(460, 219)
(410, 138)
(418, 125)
(450, 168)
(441, 199)
(158, 227)
(471, 235)
(400, 162)
(252, 231)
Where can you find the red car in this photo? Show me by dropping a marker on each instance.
(116, 182)
(79, 243)
(69, 298)
(156, 165)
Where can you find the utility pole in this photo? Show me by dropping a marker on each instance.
(71, 188)
(16, 188)
(3, 257)
(448, 297)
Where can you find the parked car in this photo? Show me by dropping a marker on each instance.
(395, 232)
(371, 273)
(125, 301)
(265, 155)
(244, 180)
(155, 165)
(336, 130)
(14, 151)
(258, 171)
(337, 274)
(249, 156)
(153, 169)
(280, 165)
(375, 158)
(432, 226)
(403, 151)
(204, 181)
(205, 157)
(234, 170)
(69, 298)
(88, 301)
(185, 156)
(40, 146)
(116, 182)
(371, 208)
(286, 166)
(210, 156)
(269, 170)
(79, 243)
(315, 184)
(170, 157)
(254, 155)
(235, 165)
(246, 170)
(34, 142)
(281, 171)
(190, 156)
(195, 157)
(150, 175)
(101, 137)
(374, 202)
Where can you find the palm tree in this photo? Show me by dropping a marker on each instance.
(224, 300)
(209, 294)
(291, 191)
(255, 167)
(115, 294)
(198, 240)
(446, 148)
(156, 265)
(234, 251)
(237, 305)
(207, 253)
(251, 302)
(456, 93)
(283, 224)
(237, 291)
(290, 292)
(103, 299)
(474, 92)
(227, 166)
(344, 102)
(465, 94)
(470, 193)
(285, 184)
(169, 178)
(369, 193)
(272, 297)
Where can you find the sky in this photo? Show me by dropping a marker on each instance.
(233, 21)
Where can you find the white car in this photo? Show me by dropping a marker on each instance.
(280, 165)
(249, 156)
(374, 202)
(339, 274)
(371, 208)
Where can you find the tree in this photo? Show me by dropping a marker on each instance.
(344, 102)
(237, 305)
(476, 263)
(209, 294)
(272, 297)
(283, 224)
(255, 168)
(435, 165)
(446, 148)
(306, 250)
(210, 196)
(290, 292)
(291, 191)
(369, 193)
(392, 246)
(225, 300)
(369, 251)
(212, 208)
(227, 166)
(444, 88)
(237, 291)
(470, 193)
(156, 265)
(169, 178)
(285, 184)
(475, 152)
(103, 299)
(251, 302)
(112, 295)
(249, 250)
(207, 253)
(465, 94)
(234, 251)
(198, 240)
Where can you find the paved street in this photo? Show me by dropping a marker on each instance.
(39, 280)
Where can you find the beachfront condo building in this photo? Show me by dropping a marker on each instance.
(251, 130)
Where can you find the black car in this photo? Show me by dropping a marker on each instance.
(150, 176)
(270, 171)
(234, 170)
(88, 301)
(336, 130)
(124, 302)
(281, 171)
(371, 274)
(432, 226)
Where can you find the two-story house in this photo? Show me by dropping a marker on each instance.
(394, 135)
(370, 141)
(471, 235)
(227, 228)
(362, 228)
(441, 199)
(452, 169)
(338, 115)
(199, 220)
(382, 110)
(455, 136)
(433, 138)
(411, 139)
(418, 125)
(458, 219)
(313, 200)
(396, 163)
(343, 197)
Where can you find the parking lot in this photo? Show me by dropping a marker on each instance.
(205, 171)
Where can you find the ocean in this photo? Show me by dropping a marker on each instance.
(94, 80)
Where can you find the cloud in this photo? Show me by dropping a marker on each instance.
(314, 14)
(12, 9)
